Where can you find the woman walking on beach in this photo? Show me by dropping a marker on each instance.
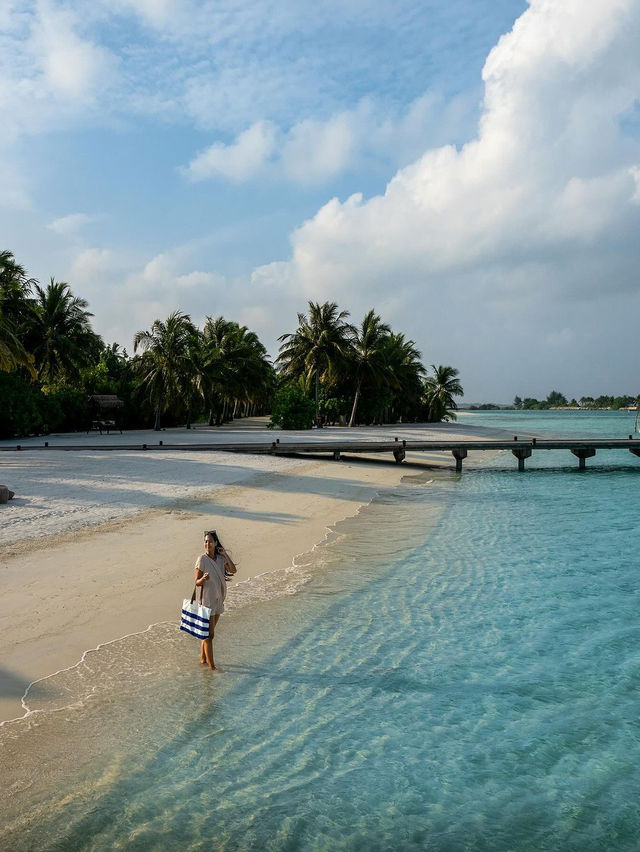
(211, 569)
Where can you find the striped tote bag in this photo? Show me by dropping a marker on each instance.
(194, 618)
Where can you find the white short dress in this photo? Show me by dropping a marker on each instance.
(214, 591)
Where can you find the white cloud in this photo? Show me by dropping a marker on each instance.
(15, 193)
(96, 274)
(239, 161)
(634, 171)
(528, 182)
(10, 16)
(52, 75)
(69, 225)
(536, 212)
(163, 284)
(91, 263)
(197, 279)
(72, 67)
(316, 150)
(162, 14)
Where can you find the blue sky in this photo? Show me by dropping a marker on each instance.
(469, 168)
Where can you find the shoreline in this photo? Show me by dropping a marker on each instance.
(91, 586)
(86, 587)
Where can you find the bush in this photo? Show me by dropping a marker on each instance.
(65, 410)
(21, 407)
(333, 408)
(292, 409)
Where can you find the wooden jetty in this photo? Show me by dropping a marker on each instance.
(521, 448)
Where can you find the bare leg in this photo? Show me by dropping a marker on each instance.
(212, 626)
(206, 652)
(207, 648)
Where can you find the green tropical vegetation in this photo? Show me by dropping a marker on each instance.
(319, 344)
(59, 336)
(292, 408)
(54, 368)
(168, 367)
(441, 388)
(360, 374)
(15, 290)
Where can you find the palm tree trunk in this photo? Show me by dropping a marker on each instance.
(356, 400)
(211, 417)
(318, 421)
(157, 423)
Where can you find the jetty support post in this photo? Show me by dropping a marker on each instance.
(336, 455)
(634, 451)
(459, 453)
(582, 453)
(399, 455)
(521, 454)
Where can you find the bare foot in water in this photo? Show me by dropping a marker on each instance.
(217, 670)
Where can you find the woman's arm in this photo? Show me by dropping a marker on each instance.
(201, 576)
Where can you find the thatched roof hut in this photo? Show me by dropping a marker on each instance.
(103, 402)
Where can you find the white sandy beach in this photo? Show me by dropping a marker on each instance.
(98, 545)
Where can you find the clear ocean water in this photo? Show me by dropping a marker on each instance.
(456, 668)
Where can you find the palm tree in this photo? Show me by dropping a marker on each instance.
(59, 333)
(193, 391)
(214, 336)
(167, 367)
(320, 344)
(253, 370)
(115, 359)
(407, 371)
(237, 370)
(440, 390)
(15, 290)
(368, 356)
(12, 352)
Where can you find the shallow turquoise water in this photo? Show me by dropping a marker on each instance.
(609, 424)
(473, 684)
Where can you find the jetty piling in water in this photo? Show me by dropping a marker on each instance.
(459, 453)
(583, 453)
(521, 454)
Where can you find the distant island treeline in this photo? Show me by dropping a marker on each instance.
(556, 400)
